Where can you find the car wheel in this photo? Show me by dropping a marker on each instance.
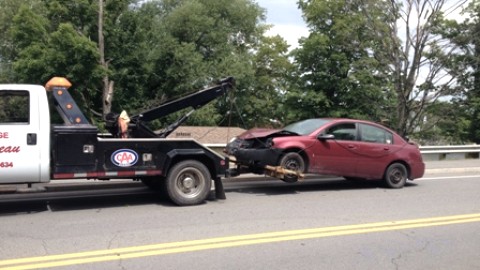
(395, 176)
(292, 161)
(188, 183)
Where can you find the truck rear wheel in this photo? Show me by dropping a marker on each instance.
(188, 183)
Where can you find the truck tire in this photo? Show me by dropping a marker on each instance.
(188, 183)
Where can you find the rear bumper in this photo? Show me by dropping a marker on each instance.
(417, 170)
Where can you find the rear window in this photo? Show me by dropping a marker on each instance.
(375, 135)
(14, 107)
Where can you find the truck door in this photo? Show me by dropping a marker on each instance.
(20, 138)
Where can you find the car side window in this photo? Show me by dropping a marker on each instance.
(373, 134)
(14, 107)
(343, 132)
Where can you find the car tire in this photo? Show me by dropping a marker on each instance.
(395, 176)
(188, 183)
(292, 161)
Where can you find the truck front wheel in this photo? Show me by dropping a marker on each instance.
(188, 183)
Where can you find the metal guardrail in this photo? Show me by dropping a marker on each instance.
(441, 152)
(450, 152)
(450, 149)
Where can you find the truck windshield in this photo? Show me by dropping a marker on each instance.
(14, 107)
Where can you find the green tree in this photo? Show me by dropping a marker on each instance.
(8, 48)
(338, 72)
(198, 42)
(260, 101)
(415, 51)
(273, 71)
(445, 122)
(363, 52)
(154, 51)
(461, 56)
(43, 53)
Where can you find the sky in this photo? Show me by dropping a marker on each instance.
(286, 19)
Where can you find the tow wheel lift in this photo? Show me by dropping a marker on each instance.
(284, 174)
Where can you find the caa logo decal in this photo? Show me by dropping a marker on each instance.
(124, 158)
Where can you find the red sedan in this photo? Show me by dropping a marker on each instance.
(354, 149)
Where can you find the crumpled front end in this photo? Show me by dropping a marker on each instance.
(253, 160)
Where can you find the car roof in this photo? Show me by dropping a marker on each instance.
(340, 119)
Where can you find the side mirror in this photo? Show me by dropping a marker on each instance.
(324, 137)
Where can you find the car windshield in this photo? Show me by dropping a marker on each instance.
(306, 127)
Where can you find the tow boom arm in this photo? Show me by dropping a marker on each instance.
(138, 129)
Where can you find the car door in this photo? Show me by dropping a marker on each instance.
(375, 149)
(335, 155)
(19, 151)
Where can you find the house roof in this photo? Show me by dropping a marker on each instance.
(207, 135)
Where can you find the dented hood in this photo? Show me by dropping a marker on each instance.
(258, 133)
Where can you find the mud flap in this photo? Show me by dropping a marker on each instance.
(219, 191)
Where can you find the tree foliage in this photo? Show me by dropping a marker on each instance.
(399, 62)
(420, 78)
(363, 52)
(154, 50)
(462, 44)
(338, 74)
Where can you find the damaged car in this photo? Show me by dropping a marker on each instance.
(353, 149)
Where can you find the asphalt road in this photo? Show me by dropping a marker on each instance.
(323, 223)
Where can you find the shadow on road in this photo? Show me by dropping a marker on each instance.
(70, 198)
(277, 187)
(89, 198)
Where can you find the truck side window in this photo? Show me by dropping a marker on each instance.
(14, 107)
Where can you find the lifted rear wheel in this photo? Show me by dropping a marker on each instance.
(188, 183)
(395, 176)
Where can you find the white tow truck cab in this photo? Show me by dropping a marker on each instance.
(24, 134)
(34, 151)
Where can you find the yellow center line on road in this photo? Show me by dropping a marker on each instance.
(225, 242)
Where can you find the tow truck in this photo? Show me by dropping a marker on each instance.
(32, 150)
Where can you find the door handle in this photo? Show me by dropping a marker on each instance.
(31, 138)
